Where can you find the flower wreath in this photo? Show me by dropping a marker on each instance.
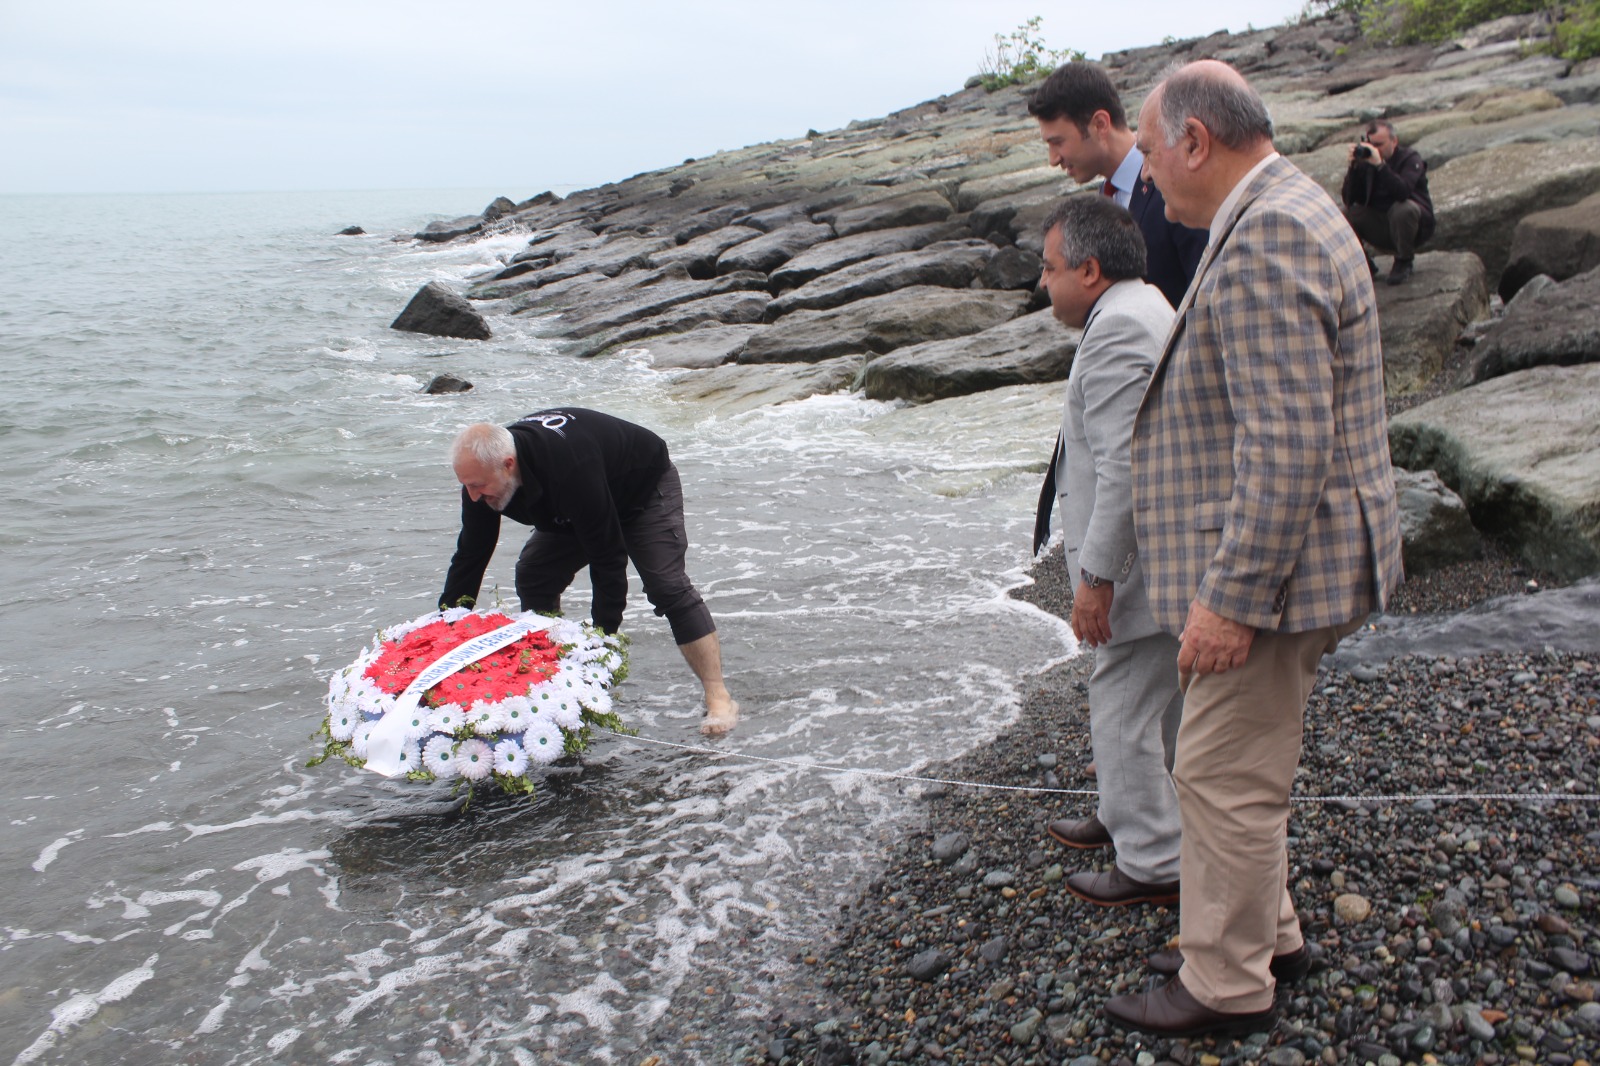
(515, 709)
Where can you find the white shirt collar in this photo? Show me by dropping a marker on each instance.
(1127, 176)
(1220, 219)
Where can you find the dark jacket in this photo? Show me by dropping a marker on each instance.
(584, 474)
(1173, 251)
(1404, 176)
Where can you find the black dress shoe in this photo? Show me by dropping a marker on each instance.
(1116, 889)
(1171, 1011)
(1085, 833)
(1287, 968)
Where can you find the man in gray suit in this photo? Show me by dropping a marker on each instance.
(1094, 269)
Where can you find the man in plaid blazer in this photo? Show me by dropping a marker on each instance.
(1265, 509)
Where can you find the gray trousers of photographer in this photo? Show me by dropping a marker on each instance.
(1394, 230)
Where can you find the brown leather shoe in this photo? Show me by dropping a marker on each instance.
(1287, 969)
(1085, 833)
(1171, 1011)
(1113, 888)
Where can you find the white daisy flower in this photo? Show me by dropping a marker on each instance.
(342, 723)
(517, 712)
(598, 701)
(410, 756)
(456, 614)
(544, 741)
(565, 712)
(446, 718)
(439, 758)
(509, 758)
(417, 723)
(358, 738)
(486, 718)
(474, 759)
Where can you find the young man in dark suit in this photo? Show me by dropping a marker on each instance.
(1085, 129)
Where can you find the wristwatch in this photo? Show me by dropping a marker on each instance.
(1091, 580)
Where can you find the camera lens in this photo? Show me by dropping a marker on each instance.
(1363, 151)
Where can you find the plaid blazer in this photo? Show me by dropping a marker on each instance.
(1262, 484)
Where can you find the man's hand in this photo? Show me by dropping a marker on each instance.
(1371, 159)
(1091, 613)
(1211, 644)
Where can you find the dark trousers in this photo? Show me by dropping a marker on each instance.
(656, 544)
(1394, 230)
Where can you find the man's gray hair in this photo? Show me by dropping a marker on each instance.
(1097, 227)
(489, 444)
(1230, 110)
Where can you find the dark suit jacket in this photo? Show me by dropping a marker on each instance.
(1174, 250)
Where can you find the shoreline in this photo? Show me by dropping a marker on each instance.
(1483, 941)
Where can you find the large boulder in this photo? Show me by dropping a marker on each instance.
(700, 348)
(742, 306)
(442, 384)
(591, 304)
(770, 251)
(1562, 243)
(1559, 124)
(1012, 268)
(1554, 326)
(1523, 452)
(1421, 319)
(1027, 350)
(1435, 529)
(1480, 198)
(912, 209)
(948, 264)
(881, 324)
(699, 254)
(836, 254)
(449, 230)
(441, 312)
(729, 390)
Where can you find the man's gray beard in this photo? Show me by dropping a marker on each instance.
(513, 483)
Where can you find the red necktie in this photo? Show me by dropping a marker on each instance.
(1106, 188)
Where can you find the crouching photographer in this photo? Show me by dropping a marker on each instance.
(1386, 200)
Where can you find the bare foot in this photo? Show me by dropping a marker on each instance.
(720, 720)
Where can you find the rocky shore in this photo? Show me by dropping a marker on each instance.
(898, 258)
(1449, 931)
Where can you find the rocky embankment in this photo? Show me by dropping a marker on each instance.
(899, 257)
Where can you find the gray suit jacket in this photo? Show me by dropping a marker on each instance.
(1121, 342)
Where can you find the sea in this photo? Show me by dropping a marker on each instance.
(222, 478)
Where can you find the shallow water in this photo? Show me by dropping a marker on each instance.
(223, 478)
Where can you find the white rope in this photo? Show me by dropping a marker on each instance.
(1445, 797)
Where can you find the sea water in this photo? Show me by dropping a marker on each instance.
(221, 478)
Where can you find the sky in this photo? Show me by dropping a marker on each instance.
(215, 95)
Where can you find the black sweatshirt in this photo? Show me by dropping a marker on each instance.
(1403, 177)
(583, 474)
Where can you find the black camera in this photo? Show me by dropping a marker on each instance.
(1363, 151)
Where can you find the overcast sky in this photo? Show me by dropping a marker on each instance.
(215, 95)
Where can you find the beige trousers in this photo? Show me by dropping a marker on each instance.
(1238, 747)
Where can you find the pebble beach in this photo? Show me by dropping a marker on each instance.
(1443, 930)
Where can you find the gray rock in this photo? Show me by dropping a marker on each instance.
(1553, 123)
(730, 390)
(948, 264)
(949, 847)
(446, 383)
(1012, 268)
(881, 324)
(1435, 530)
(449, 230)
(1023, 1032)
(709, 220)
(498, 208)
(1570, 960)
(725, 308)
(1525, 295)
(1562, 243)
(770, 251)
(1477, 1026)
(833, 255)
(350, 231)
(1587, 1018)
(1285, 1056)
(1420, 319)
(1523, 452)
(1028, 350)
(999, 879)
(1567, 896)
(439, 311)
(1479, 198)
(928, 965)
(1554, 327)
(994, 950)
(699, 255)
(700, 348)
(912, 209)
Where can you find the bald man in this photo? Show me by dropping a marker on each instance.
(598, 491)
(1265, 512)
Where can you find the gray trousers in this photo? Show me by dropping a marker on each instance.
(1394, 230)
(1134, 710)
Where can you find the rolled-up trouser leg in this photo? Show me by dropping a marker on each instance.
(547, 565)
(657, 545)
